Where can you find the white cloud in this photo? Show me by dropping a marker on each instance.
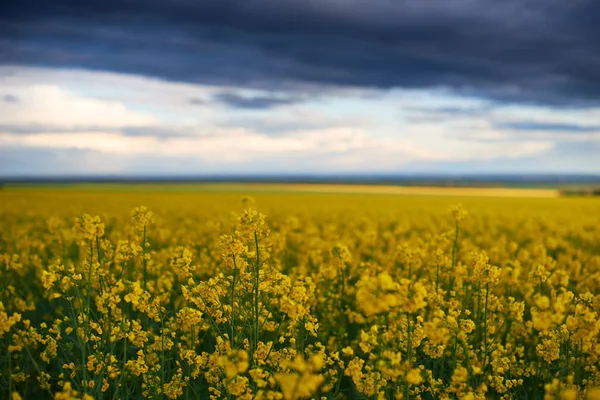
(124, 117)
(49, 105)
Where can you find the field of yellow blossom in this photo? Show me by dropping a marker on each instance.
(158, 292)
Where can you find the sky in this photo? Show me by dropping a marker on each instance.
(218, 87)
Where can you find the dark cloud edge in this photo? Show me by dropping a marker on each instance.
(513, 52)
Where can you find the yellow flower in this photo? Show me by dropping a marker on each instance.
(89, 227)
(181, 262)
(414, 376)
(141, 218)
(543, 302)
(295, 385)
(7, 322)
(457, 212)
(569, 394)
(234, 363)
(593, 394)
(138, 366)
(348, 351)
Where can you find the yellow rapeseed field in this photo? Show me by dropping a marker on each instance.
(114, 292)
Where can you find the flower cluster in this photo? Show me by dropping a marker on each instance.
(409, 299)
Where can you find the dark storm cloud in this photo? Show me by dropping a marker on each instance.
(253, 102)
(544, 51)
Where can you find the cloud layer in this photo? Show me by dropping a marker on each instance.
(83, 122)
(299, 86)
(540, 51)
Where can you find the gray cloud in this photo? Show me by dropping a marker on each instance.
(135, 131)
(9, 98)
(445, 114)
(158, 132)
(197, 101)
(253, 102)
(553, 127)
(275, 126)
(33, 129)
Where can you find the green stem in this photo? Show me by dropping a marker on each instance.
(86, 326)
(454, 251)
(122, 369)
(487, 291)
(437, 278)
(567, 354)
(343, 316)
(144, 261)
(9, 374)
(35, 364)
(478, 316)
(408, 353)
(232, 301)
(256, 294)
(162, 361)
(454, 350)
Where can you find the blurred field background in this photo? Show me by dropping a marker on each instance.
(348, 255)
(280, 199)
